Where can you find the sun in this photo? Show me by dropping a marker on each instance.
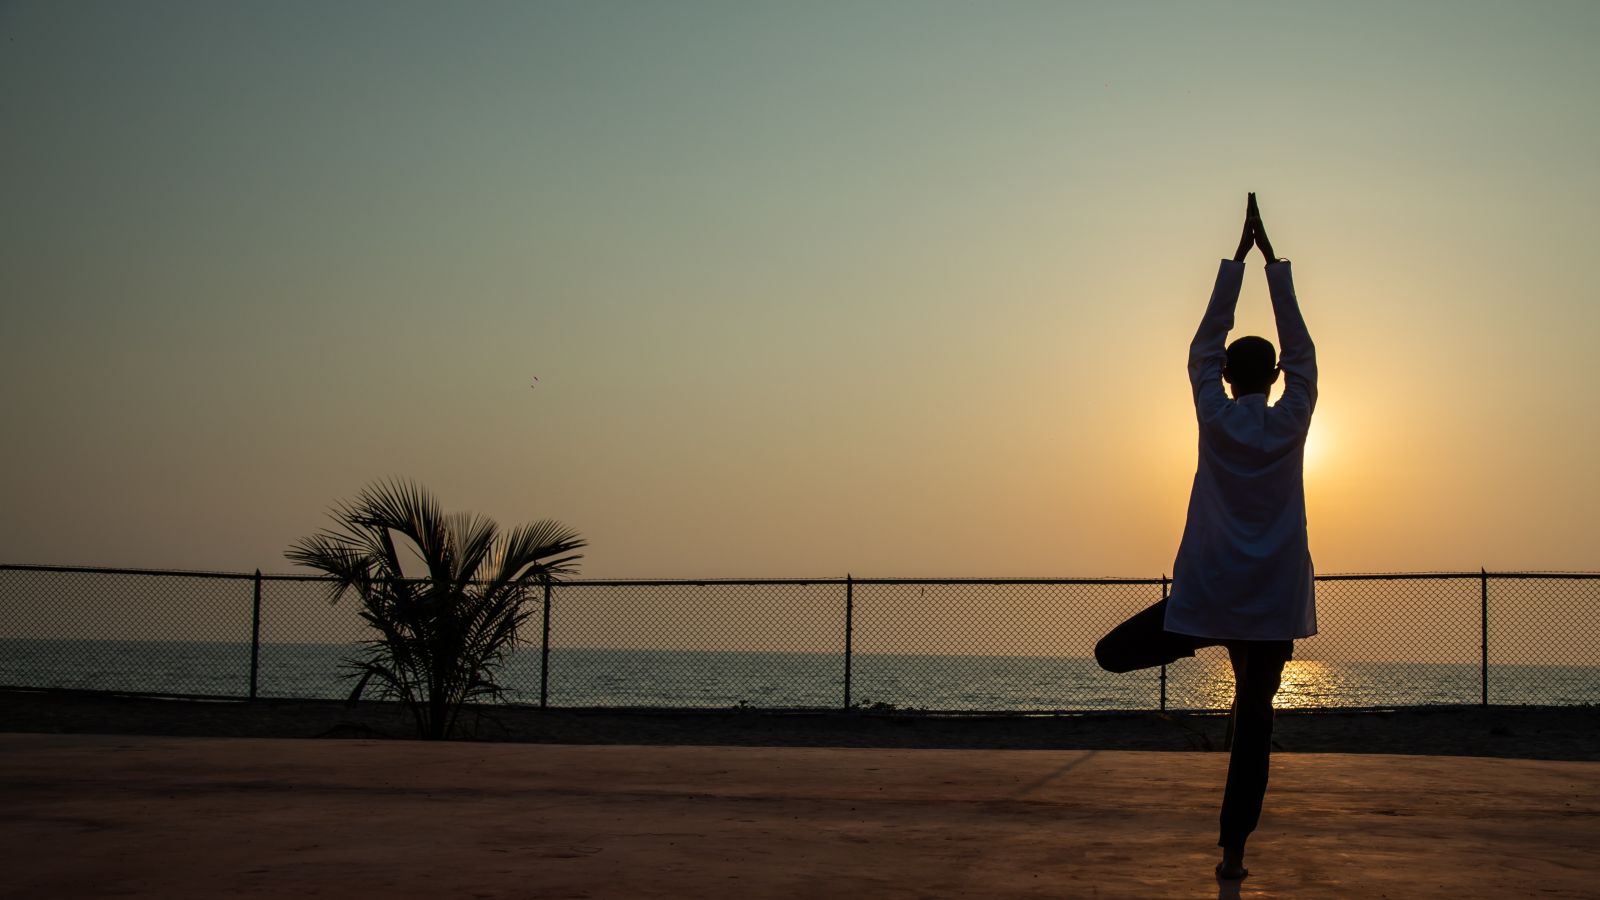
(1322, 444)
(1316, 444)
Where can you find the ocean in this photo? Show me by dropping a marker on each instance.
(702, 679)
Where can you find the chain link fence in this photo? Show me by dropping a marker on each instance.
(942, 645)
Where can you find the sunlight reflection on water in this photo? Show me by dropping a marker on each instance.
(582, 677)
(1307, 683)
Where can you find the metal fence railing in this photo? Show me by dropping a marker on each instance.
(948, 645)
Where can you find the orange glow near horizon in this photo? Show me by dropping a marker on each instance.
(922, 309)
(1318, 442)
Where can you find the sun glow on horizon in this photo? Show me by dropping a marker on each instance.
(1318, 448)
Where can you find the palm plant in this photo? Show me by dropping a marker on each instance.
(441, 637)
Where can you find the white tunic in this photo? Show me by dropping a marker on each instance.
(1243, 570)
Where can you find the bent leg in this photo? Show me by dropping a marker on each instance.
(1257, 672)
(1143, 642)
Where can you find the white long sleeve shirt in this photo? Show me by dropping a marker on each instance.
(1243, 570)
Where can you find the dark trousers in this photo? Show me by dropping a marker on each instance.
(1142, 642)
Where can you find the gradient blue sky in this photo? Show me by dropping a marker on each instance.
(893, 288)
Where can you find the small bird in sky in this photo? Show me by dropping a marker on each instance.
(535, 382)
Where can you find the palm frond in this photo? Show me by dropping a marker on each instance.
(526, 550)
(326, 553)
(407, 509)
(471, 538)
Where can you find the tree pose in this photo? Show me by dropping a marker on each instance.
(1243, 576)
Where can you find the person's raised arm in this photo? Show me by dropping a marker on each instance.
(1297, 354)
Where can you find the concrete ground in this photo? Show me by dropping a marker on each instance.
(99, 816)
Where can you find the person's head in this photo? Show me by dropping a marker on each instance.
(1251, 367)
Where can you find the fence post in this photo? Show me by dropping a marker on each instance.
(544, 651)
(255, 637)
(1483, 595)
(849, 631)
(1163, 665)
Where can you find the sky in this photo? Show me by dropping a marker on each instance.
(887, 288)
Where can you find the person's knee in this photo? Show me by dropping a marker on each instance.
(1105, 653)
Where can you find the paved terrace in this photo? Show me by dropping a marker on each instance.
(99, 816)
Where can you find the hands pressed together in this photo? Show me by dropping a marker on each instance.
(1254, 233)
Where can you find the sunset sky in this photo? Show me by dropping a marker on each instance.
(890, 288)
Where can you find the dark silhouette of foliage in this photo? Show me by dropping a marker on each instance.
(442, 636)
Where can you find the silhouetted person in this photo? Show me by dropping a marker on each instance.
(1243, 574)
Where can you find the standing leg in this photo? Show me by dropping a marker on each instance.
(1257, 672)
(1143, 642)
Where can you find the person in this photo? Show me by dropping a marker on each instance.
(1243, 575)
